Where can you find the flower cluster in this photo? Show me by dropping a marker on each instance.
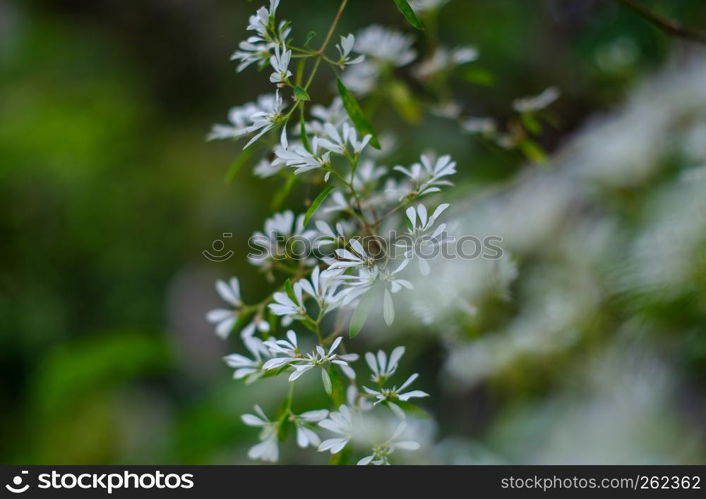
(300, 328)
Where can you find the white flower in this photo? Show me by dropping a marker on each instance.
(390, 395)
(385, 45)
(304, 363)
(340, 423)
(322, 287)
(337, 202)
(537, 102)
(223, 318)
(355, 257)
(367, 176)
(338, 142)
(424, 239)
(242, 118)
(445, 60)
(381, 366)
(328, 236)
(289, 306)
(280, 64)
(298, 157)
(265, 168)
(266, 119)
(246, 367)
(483, 126)
(305, 435)
(268, 448)
(381, 452)
(427, 175)
(256, 49)
(421, 222)
(345, 47)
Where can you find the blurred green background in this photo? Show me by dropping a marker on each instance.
(109, 194)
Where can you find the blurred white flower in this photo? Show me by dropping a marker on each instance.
(381, 452)
(341, 424)
(537, 102)
(268, 448)
(223, 318)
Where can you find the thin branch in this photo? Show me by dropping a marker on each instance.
(667, 25)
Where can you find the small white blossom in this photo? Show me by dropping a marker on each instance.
(385, 45)
(268, 448)
(223, 318)
(345, 47)
(257, 48)
(265, 120)
(338, 142)
(323, 286)
(289, 306)
(355, 257)
(305, 435)
(245, 367)
(381, 452)
(383, 367)
(280, 64)
(298, 157)
(391, 395)
(427, 176)
(341, 424)
(537, 102)
(304, 363)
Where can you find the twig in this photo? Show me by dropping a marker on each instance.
(667, 25)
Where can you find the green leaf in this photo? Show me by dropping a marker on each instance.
(409, 14)
(236, 165)
(360, 315)
(533, 151)
(327, 382)
(317, 203)
(478, 76)
(356, 113)
(343, 457)
(283, 192)
(404, 102)
(531, 123)
(338, 381)
(300, 94)
(309, 36)
(388, 309)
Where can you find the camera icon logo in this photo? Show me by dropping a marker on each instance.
(16, 486)
(218, 252)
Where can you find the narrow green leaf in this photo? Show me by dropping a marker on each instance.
(531, 123)
(283, 192)
(309, 37)
(316, 203)
(237, 164)
(360, 315)
(388, 309)
(533, 151)
(301, 94)
(409, 14)
(404, 102)
(356, 113)
(328, 386)
(478, 76)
